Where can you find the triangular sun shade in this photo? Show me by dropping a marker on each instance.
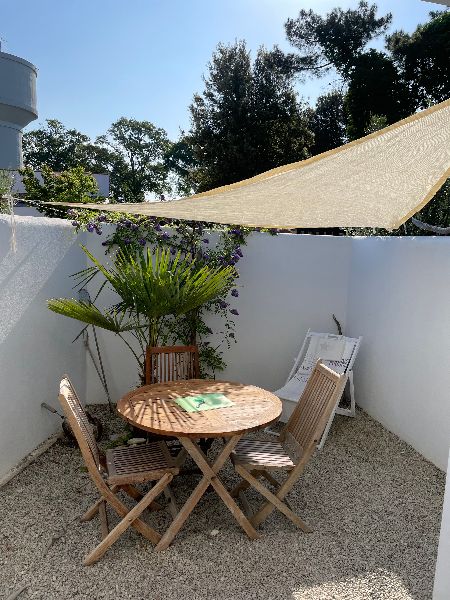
(380, 180)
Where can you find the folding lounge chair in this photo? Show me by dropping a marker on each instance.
(255, 458)
(121, 469)
(338, 353)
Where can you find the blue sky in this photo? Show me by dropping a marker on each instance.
(102, 59)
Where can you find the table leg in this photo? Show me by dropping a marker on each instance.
(210, 477)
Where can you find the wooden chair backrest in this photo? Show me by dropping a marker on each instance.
(79, 423)
(171, 363)
(318, 400)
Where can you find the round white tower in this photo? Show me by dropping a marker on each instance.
(17, 106)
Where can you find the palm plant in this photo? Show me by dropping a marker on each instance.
(151, 287)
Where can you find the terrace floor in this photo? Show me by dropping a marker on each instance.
(374, 504)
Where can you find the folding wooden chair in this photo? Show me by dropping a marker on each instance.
(255, 458)
(121, 469)
(171, 363)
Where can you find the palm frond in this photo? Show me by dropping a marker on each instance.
(90, 314)
(156, 285)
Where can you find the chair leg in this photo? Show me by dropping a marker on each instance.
(352, 394)
(134, 493)
(241, 487)
(270, 479)
(129, 518)
(93, 510)
(273, 499)
(180, 457)
(103, 519)
(171, 502)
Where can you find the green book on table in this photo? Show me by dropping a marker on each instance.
(203, 402)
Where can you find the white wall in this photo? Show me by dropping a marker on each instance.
(399, 300)
(35, 344)
(288, 283)
(393, 291)
(442, 580)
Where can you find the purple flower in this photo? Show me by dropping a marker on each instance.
(233, 311)
(173, 251)
(127, 241)
(104, 243)
(234, 293)
(142, 242)
(206, 256)
(101, 218)
(165, 236)
(98, 230)
(75, 223)
(90, 227)
(205, 241)
(127, 223)
(71, 212)
(158, 227)
(238, 251)
(222, 304)
(134, 226)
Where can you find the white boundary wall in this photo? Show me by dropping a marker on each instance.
(399, 301)
(35, 344)
(393, 291)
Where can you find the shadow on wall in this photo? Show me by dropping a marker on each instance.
(23, 273)
(35, 345)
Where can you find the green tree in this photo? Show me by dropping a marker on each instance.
(60, 149)
(335, 40)
(374, 88)
(181, 165)
(137, 159)
(423, 59)
(71, 185)
(328, 122)
(248, 118)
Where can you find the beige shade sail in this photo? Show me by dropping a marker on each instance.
(380, 180)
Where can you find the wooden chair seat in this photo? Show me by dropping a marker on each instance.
(260, 455)
(135, 464)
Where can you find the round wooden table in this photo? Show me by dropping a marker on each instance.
(153, 409)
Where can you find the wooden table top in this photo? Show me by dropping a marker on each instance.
(151, 407)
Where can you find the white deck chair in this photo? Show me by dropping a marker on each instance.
(338, 353)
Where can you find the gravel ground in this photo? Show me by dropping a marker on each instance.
(374, 504)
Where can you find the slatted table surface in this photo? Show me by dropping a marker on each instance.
(153, 409)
